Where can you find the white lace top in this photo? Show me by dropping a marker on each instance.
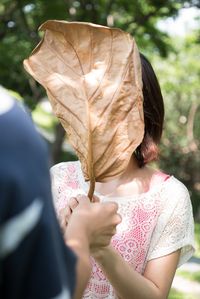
(154, 223)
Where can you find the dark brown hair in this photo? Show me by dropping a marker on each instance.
(153, 106)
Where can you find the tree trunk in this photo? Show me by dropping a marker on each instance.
(57, 145)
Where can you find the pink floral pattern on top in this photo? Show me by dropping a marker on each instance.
(153, 224)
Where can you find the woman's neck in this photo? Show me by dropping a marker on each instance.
(133, 180)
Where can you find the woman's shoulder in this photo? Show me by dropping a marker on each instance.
(174, 186)
(175, 225)
(67, 173)
(66, 179)
(172, 192)
(169, 184)
(64, 167)
(175, 195)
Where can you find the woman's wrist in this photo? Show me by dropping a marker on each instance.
(77, 239)
(102, 254)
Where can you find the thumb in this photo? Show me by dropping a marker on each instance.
(95, 198)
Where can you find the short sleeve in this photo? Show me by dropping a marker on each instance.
(175, 227)
(66, 182)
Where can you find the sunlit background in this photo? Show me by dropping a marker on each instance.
(168, 33)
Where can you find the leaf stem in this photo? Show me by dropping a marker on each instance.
(91, 189)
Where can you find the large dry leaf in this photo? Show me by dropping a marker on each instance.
(92, 75)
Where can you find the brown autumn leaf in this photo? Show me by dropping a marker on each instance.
(92, 75)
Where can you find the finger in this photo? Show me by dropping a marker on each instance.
(68, 214)
(62, 216)
(63, 224)
(73, 203)
(81, 197)
(95, 198)
(65, 211)
(105, 241)
(117, 219)
(112, 232)
(111, 206)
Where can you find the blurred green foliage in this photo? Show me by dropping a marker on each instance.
(20, 20)
(44, 119)
(193, 276)
(174, 294)
(179, 76)
(197, 239)
(178, 73)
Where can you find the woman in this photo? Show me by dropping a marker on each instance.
(156, 234)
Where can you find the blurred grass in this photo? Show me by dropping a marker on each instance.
(197, 239)
(193, 276)
(174, 294)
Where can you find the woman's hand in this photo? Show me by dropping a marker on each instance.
(66, 212)
(89, 225)
(98, 219)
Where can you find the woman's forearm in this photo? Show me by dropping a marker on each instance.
(78, 242)
(126, 281)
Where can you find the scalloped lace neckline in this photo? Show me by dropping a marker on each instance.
(151, 191)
